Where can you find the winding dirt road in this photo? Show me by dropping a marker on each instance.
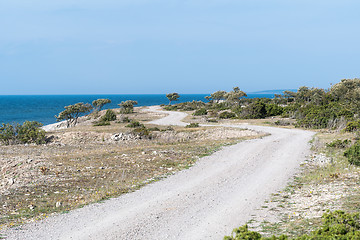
(219, 193)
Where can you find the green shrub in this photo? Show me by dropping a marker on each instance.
(255, 110)
(353, 154)
(336, 225)
(170, 108)
(352, 126)
(273, 110)
(28, 132)
(109, 116)
(134, 124)
(154, 129)
(200, 112)
(282, 123)
(226, 115)
(142, 132)
(338, 143)
(192, 125)
(101, 123)
(7, 134)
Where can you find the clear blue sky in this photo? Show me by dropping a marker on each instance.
(188, 46)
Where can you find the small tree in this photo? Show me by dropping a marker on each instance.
(235, 96)
(127, 106)
(73, 112)
(218, 95)
(172, 97)
(99, 103)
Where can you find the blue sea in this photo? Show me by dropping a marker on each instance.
(43, 108)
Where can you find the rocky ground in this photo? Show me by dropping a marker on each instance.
(86, 164)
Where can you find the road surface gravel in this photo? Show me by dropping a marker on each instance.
(220, 192)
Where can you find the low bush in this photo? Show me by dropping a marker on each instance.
(338, 143)
(109, 116)
(282, 123)
(192, 125)
(101, 123)
(170, 107)
(353, 154)
(142, 132)
(336, 225)
(28, 132)
(200, 112)
(352, 126)
(273, 110)
(226, 115)
(134, 124)
(154, 129)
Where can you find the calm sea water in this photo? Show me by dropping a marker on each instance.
(43, 108)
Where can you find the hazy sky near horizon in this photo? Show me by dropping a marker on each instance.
(188, 46)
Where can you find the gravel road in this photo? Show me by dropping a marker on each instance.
(220, 192)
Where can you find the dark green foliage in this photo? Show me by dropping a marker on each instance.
(99, 103)
(28, 132)
(243, 233)
(338, 143)
(200, 112)
(125, 120)
(7, 134)
(109, 116)
(142, 132)
(134, 124)
(106, 118)
(102, 123)
(192, 125)
(172, 97)
(282, 123)
(227, 114)
(352, 126)
(353, 154)
(127, 107)
(336, 225)
(170, 107)
(73, 112)
(186, 106)
(273, 110)
(255, 110)
(318, 116)
(154, 129)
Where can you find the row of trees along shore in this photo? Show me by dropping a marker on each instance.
(316, 108)
(334, 108)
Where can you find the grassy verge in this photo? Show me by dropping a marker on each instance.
(326, 182)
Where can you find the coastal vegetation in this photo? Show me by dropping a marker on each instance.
(99, 103)
(84, 163)
(328, 180)
(28, 132)
(127, 107)
(72, 113)
(336, 225)
(172, 97)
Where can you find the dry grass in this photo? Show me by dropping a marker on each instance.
(326, 182)
(84, 165)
